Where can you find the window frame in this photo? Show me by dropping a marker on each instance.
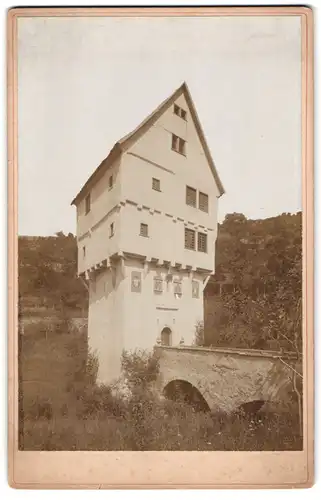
(160, 280)
(178, 145)
(195, 289)
(199, 236)
(189, 189)
(178, 283)
(184, 114)
(192, 233)
(180, 112)
(143, 226)
(136, 277)
(156, 183)
(176, 108)
(206, 197)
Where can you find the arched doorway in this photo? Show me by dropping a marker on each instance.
(186, 393)
(166, 336)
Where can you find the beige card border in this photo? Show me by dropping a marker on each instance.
(124, 470)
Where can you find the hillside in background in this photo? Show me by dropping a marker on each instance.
(254, 300)
(48, 275)
(263, 250)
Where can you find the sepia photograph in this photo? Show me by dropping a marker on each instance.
(160, 224)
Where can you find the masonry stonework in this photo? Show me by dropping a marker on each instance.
(229, 378)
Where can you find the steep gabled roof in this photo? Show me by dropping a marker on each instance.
(128, 140)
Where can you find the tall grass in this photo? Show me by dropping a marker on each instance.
(64, 409)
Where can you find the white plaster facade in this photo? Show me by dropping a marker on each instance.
(169, 277)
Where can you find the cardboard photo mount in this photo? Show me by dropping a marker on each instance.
(161, 470)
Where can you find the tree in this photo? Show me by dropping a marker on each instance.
(264, 260)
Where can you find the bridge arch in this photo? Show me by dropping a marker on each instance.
(185, 392)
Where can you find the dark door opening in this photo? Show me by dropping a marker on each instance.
(166, 336)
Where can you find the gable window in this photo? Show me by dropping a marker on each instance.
(202, 242)
(87, 204)
(189, 239)
(111, 230)
(180, 112)
(144, 230)
(190, 196)
(178, 144)
(158, 285)
(156, 184)
(203, 202)
(111, 182)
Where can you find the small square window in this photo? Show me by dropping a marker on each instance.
(87, 204)
(144, 230)
(203, 202)
(111, 230)
(190, 196)
(156, 184)
(195, 289)
(202, 242)
(158, 285)
(189, 239)
(111, 182)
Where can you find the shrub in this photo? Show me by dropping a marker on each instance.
(92, 366)
(95, 401)
(140, 368)
(199, 334)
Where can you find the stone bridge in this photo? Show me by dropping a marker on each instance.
(225, 379)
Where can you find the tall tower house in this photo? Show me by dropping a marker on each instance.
(146, 232)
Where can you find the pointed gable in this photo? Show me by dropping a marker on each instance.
(130, 139)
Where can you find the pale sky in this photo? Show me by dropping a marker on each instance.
(86, 82)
